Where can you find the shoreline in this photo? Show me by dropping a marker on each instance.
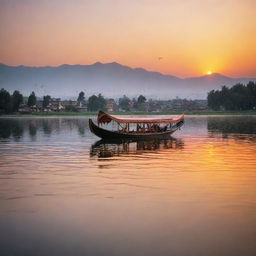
(51, 114)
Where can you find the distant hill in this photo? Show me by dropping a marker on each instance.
(110, 79)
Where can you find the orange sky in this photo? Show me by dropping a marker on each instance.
(191, 36)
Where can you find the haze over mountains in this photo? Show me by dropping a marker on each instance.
(110, 79)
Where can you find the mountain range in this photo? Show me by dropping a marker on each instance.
(110, 79)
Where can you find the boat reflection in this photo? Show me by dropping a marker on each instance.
(112, 148)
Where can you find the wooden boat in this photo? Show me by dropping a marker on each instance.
(145, 128)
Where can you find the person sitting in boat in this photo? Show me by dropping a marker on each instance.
(164, 128)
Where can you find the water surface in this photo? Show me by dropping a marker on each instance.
(64, 192)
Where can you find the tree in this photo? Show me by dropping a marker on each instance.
(124, 103)
(32, 99)
(141, 99)
(5, 101)
(46, 101)
(238, 97)
(17, 99)
(141, 103)
(226, 101)
(93, 103)
(80, 98)
(214, 100)
(101, 102)
(96, 103)
(251, 91)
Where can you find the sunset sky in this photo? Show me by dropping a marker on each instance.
(178, 37)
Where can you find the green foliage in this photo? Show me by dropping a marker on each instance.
(32, 99)
(93, 103)
(102, 102)
(140, 105)
(10, 103)
(46, 101)
(5, 101)
(141, 99)
(96, 103)
(238, 97)
(17, 99)
(124, 103)
(81, 97)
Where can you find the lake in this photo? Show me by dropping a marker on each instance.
(64, 192)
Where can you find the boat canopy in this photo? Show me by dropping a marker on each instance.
(104, 118)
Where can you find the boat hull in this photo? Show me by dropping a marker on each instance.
(106, 134)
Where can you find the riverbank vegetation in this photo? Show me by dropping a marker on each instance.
(10, 103)
(237, 98)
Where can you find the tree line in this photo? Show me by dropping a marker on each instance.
(96, 103)
(11, 102)
(238, 97)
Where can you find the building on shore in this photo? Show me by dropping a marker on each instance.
(111, 105)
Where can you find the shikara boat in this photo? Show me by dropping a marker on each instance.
(136, 128)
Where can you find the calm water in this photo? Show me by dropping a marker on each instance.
(62, 192)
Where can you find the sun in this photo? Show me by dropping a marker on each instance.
(209, 72)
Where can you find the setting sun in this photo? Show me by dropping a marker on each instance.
(209, 72)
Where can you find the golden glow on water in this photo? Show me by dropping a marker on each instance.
(192, 195)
